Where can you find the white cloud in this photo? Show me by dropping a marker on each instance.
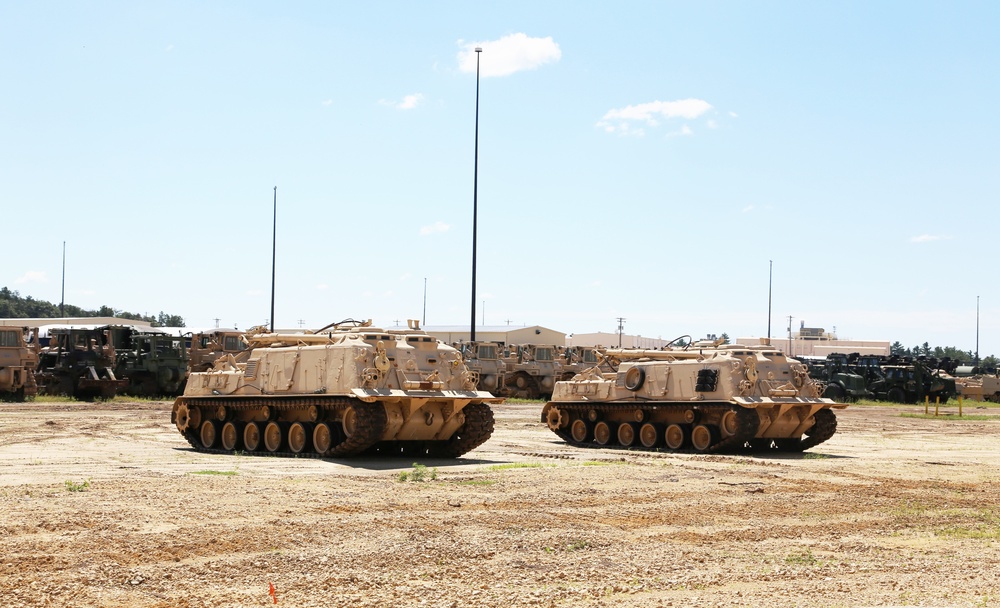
(622, 120)
(169, 48)
(327, 102)
(748, 208)
(510, 54)
(435, 228)
(407, 103)
(322, 287)
(927, 238)
(32, 276)
(685, 130)
(733, 115)
(712, 124)
(406, 276)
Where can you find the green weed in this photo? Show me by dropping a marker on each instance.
(212, 472)
(73, 486)
(420, 472)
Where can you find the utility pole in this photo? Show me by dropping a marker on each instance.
(790, 353)
(621, 327)
(770, 274)
(274, 252)
(475, 204)
(424, 322)
(976, 362)
(62, 301)
(217, 322)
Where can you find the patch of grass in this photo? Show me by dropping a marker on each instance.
(519, 465)
(477, 482)
(814, 456)
(951, 416)
(73, 486)
(805, 558)
(420, 472)
(213, 472)
(598, 463)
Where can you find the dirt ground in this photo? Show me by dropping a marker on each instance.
(106, 505)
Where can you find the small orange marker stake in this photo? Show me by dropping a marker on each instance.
(272, 592)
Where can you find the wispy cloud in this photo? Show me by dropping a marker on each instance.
(322, 287)
(32, 276)
(407, 103)
(434, 228)
(624, 121)
(928, 238)
(327, 102)
(748, 208)
(508, 55)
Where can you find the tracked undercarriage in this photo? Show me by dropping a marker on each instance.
(340, 393)
(708, 398)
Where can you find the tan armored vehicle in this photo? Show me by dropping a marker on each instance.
(531, 371)
(707, 397)
(984, 387)
(484, 359)
(207, 347)
(18, 360)
(343, 390)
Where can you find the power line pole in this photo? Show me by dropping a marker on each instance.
(621, 327)
(274, 252)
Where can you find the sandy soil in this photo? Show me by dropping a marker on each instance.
(107, 505)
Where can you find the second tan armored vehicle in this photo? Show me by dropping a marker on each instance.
(344, 390)
(206, 347)
(707, 397)
(18, 359)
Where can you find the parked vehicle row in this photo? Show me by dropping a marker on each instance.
(101, 361)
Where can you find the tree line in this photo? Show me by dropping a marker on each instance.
(964, 357)
(14, 306)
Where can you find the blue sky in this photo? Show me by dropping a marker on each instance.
(643, 160)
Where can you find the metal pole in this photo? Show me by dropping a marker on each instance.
(475, 205)
(274, 252)
(977, 332)
(62, 300)
(424, 322)
(770, 274)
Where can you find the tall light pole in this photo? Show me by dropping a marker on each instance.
(770, 274)
(475, 204)
(425, 302)
(274, 252)
(976, 364)
(62, 298)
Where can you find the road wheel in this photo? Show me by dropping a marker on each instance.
(702, 437)
(298, 437)
(272, 436)
(230, 436)
(896, 395)
(649, 435)
(627, 432)
(835, 392)
(580, 431)
(251, 436)
(207, 434)
(675, 436)
(602, 433)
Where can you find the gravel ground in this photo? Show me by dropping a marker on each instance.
(106, 505)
